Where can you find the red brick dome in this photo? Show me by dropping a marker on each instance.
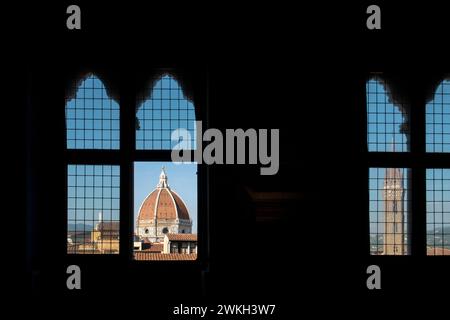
(163, 203)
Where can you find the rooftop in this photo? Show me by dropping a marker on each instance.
(154, 247)
(182, 237)
(151, 256)
(438, 251)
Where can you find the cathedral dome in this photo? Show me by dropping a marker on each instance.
(163, 203)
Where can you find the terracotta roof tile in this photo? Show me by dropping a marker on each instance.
(182, 237)
(146, 211)
(151, 256)
(166, 202)
(155, 247)
(108, 226)
(438, 251)
(181, 208)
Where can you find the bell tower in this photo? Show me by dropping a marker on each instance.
(393, 194)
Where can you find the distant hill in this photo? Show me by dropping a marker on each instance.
(439, 229)
(79, 227)
(439, 237)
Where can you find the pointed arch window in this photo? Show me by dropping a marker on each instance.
(101, 169)
(388, 132)
(389, 204)
(161, 110)
(387, 121)
(92, 117)
(93, 188)
(438, 119)
(163, 209)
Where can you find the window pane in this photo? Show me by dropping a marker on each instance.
(438, 120)
(389, 211)
(165, 212)
(92, 118)
(162, 111)
(438, 212)
(387, 123)
(93, 210)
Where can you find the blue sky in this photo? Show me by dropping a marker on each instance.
(166, 109)
(93, 189)
(438, 119)
(92, 118)
(182, 178)
(383, 120)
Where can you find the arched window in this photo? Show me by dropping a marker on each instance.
(165, 109)
(387, 121)
(92, 118)
(99, 166)
(438, 119)
(387, 132)
(165, 193)
(93, 190)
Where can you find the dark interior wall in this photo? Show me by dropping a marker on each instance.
(300, 69)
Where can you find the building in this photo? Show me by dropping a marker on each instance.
(147, 246)
(393, 194)
(162, 212)
(180, 243)
(105, 236)
(163, 226)
(151, 256)
(436, 251)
